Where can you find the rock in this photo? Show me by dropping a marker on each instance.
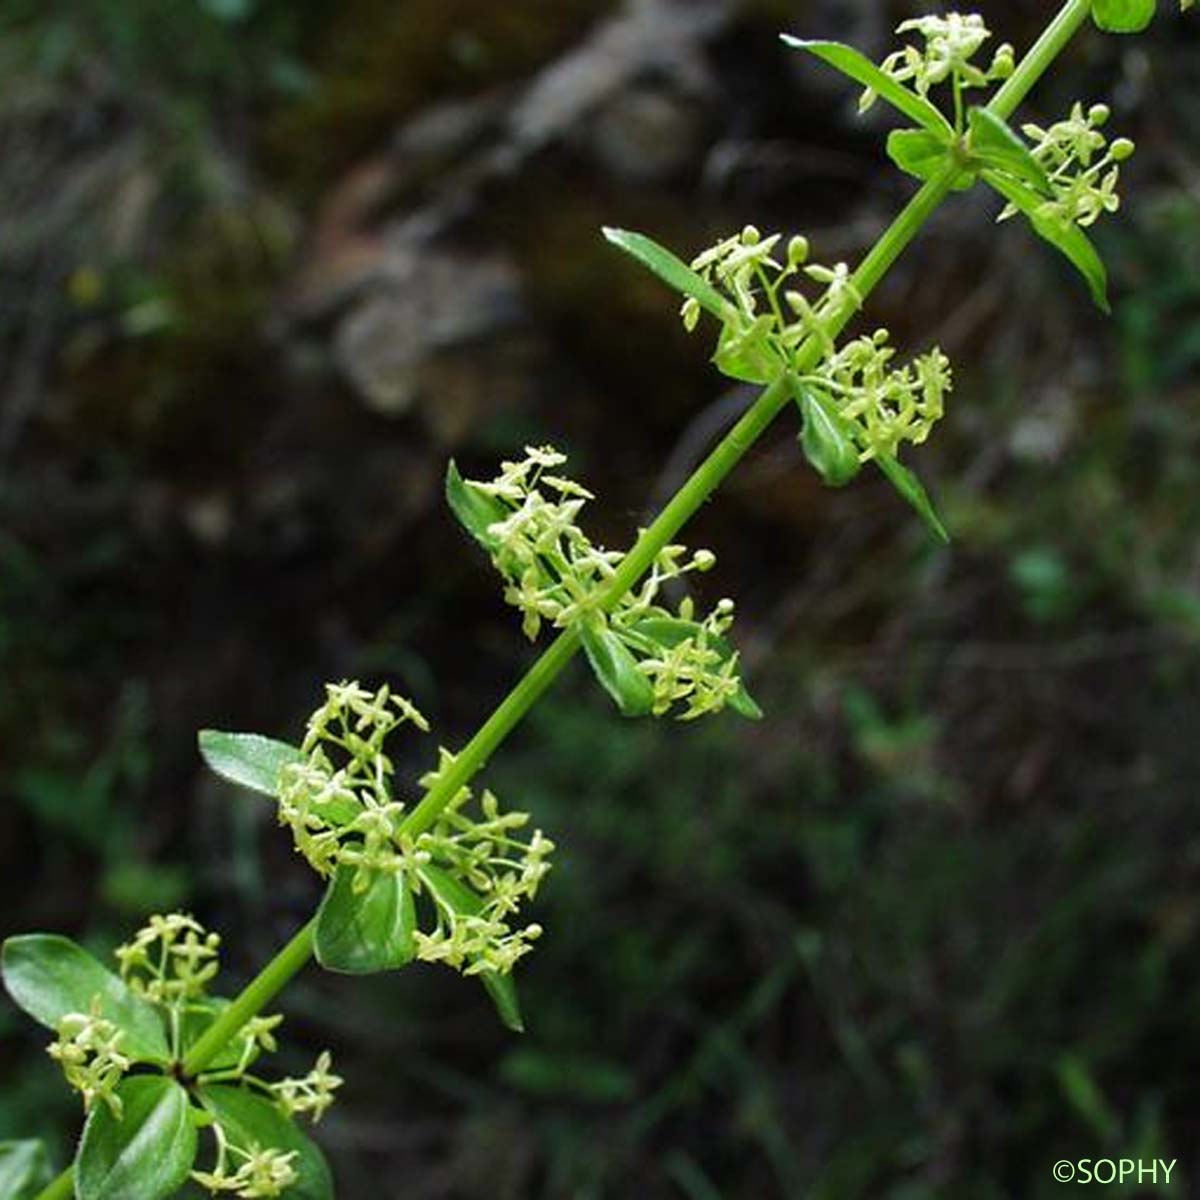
(423, 304)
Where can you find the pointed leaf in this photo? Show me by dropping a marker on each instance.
(617, 670)
(248, 759)
(670, 631)
(50, 976)
(1068, 238)
(475, 509)
(144, 1155)
(248, 1119)
(671, 269)
(1123, 16)
(503, 991)
(455, 895)
(909, 486)
(996, 144)
(24, 1169)
(361, 932)
(827, 438)
(862, 70)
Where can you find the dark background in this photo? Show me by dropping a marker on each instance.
(933, 924)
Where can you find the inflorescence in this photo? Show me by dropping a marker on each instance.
(470, 866)
(554, 573)
(1081, 165)
(880, 404)
(952, 43)
(169, 965)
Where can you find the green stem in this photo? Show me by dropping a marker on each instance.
(256, 995)
(62, 1187)
(703, 482)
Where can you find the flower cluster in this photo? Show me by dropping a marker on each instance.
(952, 43)
(758, 340)
(501, 870)
(312, 1093)
(165, 973)
(554, 573)
(883, 405)
(340, 803)
(88, 1050)
(257, 1171)
(1082, 166)
(171, 960)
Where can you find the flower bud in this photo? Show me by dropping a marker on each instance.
(797, 251)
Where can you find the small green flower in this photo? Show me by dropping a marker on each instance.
(952, 43)
(312, 1094)
(88, 1050)
(171, 960)
(555, 574)
(884, 406)
(1082, 166)
(259, 1171)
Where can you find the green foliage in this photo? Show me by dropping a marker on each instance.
(248, 759)
(141, 1134)
(51, 977)
(878, 82)
(249, 1121)
(361, 930)
(1069, 239)
(146, 1151)
(1125, 16)
(443, 878)
(24, 1170)
(555, 574)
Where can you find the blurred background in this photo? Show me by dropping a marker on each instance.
(265, 265)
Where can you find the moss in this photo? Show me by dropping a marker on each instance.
(375, 61)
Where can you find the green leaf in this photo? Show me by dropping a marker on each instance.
(1123, 16)
(24, 1169)
(672, 270)
(144, 1155)
(455, 895)
(248, 759)
(917, 151)
(995, 143)
(617, 670)
(503, 991)
(827, 438)
(670, 631)
(248, 1119)
(475, 510)
(862, 70)
(361, 932)
(1068, 238)
(923, 155)
(50, 976)
(745, 353)
(909, 486)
